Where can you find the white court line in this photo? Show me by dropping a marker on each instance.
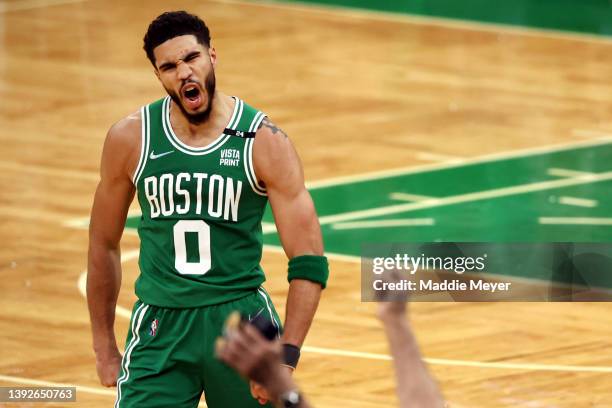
(33, 4)
(588, 133)
(82, 282)
(409, 197)
(578, 202)
(424, 20)
(401, 171)
(410, 222)
(465, 198)
(575, 221)
(557, 172)
(331, 255)
(428, 156)
(83, 222)
(268, 227)
(463, 363)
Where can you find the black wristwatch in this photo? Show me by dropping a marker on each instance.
(290, 399)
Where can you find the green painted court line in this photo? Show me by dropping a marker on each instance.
(586, 16)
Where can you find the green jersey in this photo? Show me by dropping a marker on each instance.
(200, 230)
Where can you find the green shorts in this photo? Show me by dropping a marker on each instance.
(169, 357)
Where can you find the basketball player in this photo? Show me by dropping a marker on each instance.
(203, 166)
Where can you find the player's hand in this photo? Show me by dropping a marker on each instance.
(248, 352)
(108, 366)
(259, 392)
(392, 305)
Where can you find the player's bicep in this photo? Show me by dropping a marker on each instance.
(114, 193)
(279, 166)
(276, 161)
(109, 211)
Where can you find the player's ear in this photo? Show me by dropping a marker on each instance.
(212, 53)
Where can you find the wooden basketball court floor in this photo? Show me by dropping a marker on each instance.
(387, 112)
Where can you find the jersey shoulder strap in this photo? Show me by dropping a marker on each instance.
(151, 123)
(250, 119)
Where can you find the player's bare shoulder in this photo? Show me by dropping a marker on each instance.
(125, 133)
(270, 138)
(122, 145)
(274, 156)
(267, 127)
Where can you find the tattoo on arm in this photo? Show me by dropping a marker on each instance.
(275, 129)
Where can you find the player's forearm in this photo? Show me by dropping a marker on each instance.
(302, 303)
(415, 387)
(297, 223)
(103, 283)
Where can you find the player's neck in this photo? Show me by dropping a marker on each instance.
(207, 130)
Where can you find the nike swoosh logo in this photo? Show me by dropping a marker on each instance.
(154, 156)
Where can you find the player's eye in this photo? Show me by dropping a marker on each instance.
(192, 57)
(166, 67)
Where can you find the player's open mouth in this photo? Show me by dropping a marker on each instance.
(192, 96)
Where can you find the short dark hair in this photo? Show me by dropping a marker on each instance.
(173, 24)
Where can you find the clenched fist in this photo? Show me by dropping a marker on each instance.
(108, 366)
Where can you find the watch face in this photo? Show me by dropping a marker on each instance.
(291, 399)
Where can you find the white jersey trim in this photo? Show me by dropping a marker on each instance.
(212, 146)
(266, 297)
(248, 154)
(144, 144)
(125, 362)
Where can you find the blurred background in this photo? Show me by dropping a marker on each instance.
(416, 120)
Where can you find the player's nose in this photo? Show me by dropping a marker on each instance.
(183, 71)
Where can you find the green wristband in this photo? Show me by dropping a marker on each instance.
(309, 267)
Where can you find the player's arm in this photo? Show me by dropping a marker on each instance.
(415, 386)
(112, 199)
(257, 358)
(278, 166)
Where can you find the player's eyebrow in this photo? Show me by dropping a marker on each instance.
(189, 56)
(166, 65)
